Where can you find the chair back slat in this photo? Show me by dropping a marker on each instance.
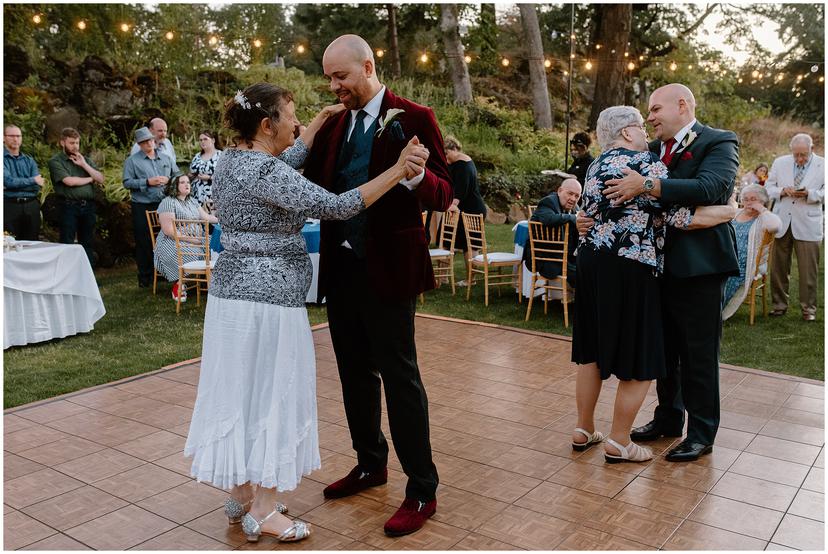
(448, 232)
(548, 244)
(531, 209)
(475, 232)
(763, 255)
(192, 240)
(154, 224)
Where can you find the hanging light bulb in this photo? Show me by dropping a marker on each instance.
(626, 54)
(597, 46)
(170, 35)
(467, 58)
(572, 56)
(822, 79)
(37, 18)
(740, 80)
(81, 24)
(690, 67)
(814, 68)
(301, 49)
(641, 58)
(547, 64)
(566, 73)
(630, 66)
(213, 40)
(505, 62)
(380, 51)
(673, 66)
(754, 74)
(780, 76)
(257, 43)
(124, 27)
(588, 65)
(424, 58)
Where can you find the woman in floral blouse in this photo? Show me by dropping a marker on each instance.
(618, 328)
(203, 166)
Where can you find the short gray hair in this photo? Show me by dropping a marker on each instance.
(802, 137)
(612, 120)
(759, 190)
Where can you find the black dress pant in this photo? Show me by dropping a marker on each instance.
(692, 333)
(143, 242)
(21, 217)
(77, 218)
(373, 340)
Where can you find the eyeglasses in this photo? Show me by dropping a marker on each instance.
(642, 127)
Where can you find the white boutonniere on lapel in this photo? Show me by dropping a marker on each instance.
(390, 117)
(688, 139)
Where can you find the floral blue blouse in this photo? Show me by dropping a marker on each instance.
(635, 230)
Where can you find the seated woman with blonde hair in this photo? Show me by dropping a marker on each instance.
(752, 221)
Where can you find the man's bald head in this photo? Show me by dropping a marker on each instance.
(348, 62)
(159, 128)
(352, 47)
(672, 107)
(569, 192)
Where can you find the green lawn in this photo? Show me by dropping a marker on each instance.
(141, 332)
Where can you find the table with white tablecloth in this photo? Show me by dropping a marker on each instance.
(521, 231)
(49, 291)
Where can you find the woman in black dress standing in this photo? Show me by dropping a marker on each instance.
(617, 329)
(467, 198)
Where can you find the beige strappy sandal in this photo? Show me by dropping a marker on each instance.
(630, 453)
(592, 439)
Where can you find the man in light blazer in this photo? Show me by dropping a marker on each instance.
(797, 183)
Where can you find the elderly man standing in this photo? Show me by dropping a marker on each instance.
(21, 188)
(556, 210)
(702, 162)
(158, 127)
(73, 176)
(797, 183)
(145, 174)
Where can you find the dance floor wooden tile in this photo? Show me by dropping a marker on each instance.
(20, 530)
(34, 487)
(181, 538)
(738, 517)
(104, 468)
(74, 507)
(800, 533)
(121, 529)
(57, 542)
(697, 536)
(100, 465)
(593, 539)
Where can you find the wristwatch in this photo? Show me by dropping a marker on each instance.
(649, 184)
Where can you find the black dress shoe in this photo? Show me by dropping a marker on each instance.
(687, 451)
(652, 431)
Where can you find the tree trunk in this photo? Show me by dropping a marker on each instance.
(488, 46)
(613, 35)
(537, 73)
(393, 46)
(455, 54)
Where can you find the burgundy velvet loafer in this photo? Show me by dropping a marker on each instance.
(411, 516)
(355, 482)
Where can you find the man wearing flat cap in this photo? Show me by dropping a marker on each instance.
(145, 174)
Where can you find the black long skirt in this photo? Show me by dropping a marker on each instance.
(618, 318)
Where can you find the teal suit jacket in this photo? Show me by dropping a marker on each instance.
(702, 173)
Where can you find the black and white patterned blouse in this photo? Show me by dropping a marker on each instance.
(203, 190)
(262, 203)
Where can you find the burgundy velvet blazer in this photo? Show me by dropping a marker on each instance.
(397, 255)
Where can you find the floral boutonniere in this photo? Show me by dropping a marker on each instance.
(688, 139)
(687, 156)
(390, 117)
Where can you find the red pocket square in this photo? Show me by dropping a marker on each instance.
(687, 155)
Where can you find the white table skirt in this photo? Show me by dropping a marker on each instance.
(49, 291)
(526, 282)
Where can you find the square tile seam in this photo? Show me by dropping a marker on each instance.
(323, 326)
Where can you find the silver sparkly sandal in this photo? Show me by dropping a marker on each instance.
(253, 529)
(234, 510)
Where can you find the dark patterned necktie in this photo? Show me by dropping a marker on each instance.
(668, 151)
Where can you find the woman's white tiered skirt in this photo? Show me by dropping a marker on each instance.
(255, 414)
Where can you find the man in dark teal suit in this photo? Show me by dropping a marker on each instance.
(703, 163)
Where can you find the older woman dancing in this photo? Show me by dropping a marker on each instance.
(618, 328)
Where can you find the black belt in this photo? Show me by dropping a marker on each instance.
(19, 200)
(76, 201)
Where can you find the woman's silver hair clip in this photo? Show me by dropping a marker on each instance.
(241, 100)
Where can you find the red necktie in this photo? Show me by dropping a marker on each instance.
(668, 151)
